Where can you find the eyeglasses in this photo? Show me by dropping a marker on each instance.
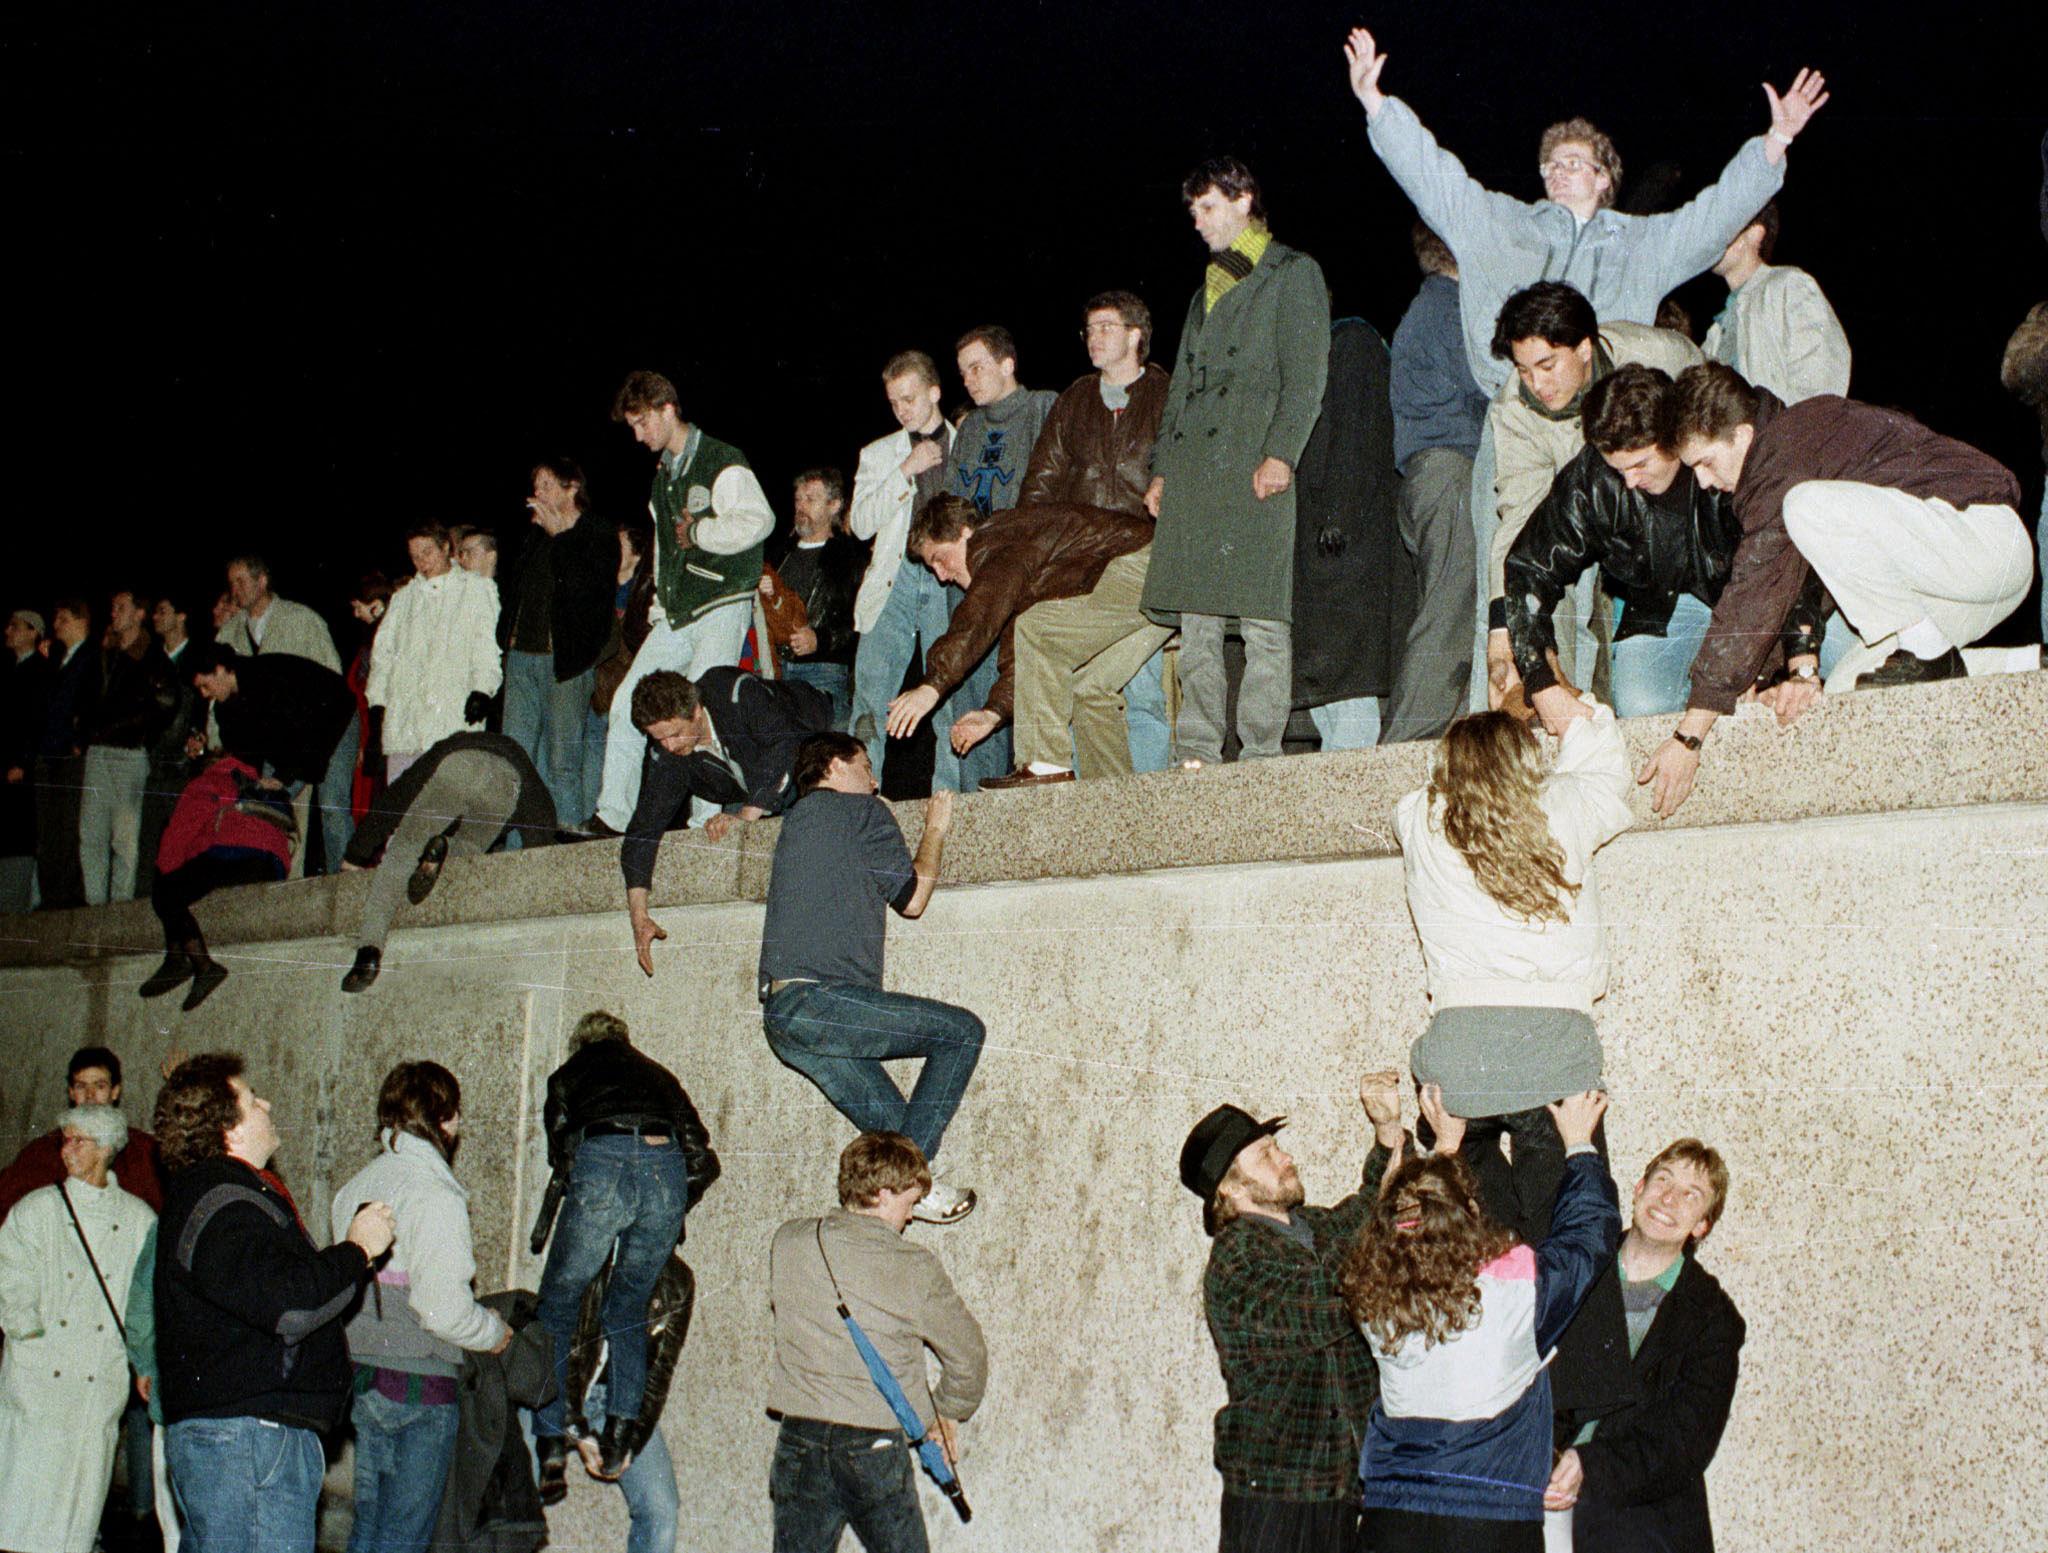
(1567, 164)
(1092, 330)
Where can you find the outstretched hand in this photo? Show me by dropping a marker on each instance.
(1577, 1115)
(1802, 100)
(1365, 63)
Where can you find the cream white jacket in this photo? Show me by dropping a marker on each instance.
(883, 497)
(1474, 952)
(438, 642)
(1779, 332)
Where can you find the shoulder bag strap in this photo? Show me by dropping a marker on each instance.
(64, 1191)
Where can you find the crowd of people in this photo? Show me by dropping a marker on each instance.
(1540, 508)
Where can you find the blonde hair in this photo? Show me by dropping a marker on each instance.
(1593, 139)
(1489, 773)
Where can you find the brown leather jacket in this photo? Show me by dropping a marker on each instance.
(1093, 455)
(1822, 438)
(1019, 558)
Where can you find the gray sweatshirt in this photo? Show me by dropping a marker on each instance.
(903, 1300)
(993, 448)
(419, 1314)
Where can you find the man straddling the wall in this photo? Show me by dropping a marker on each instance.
(457, 800)
(822, 568)
(1638, 1476)
(1246, 390)
(840, 866)
(138, 697)
(711, 522)
(1624, 264)
(555, 622)
(1915, 535)
(729, 738)
(1052, 595)
(1662, 542)
(1439, 414)
(252, 1364)
(1559, 350)
(624, 1136)
(1300, 1380)
(1777, 329)
(841, 1456)
(1096, 450)
(900, 605)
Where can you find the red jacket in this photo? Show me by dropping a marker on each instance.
(41, 1163)
(206, 817)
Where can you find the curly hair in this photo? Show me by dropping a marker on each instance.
(1415, 1265)
(197, 1108)
(1489, 773)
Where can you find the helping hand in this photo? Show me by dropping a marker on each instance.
(910, 709)
(970, 730)
(1671, 769)
(1577, 1115)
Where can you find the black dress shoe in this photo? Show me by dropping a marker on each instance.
(1024, 776)
(1905, 668)
(207, 975)
(363, 974)
(615, 1447)
(172, 974)
(428, 872)
(551, 1455)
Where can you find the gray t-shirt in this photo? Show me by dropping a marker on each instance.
(839, 864)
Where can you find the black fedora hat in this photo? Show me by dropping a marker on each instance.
(1216, 1140)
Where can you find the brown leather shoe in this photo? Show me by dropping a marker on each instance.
(1024, 776)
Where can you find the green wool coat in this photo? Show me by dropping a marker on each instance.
(1247, 384)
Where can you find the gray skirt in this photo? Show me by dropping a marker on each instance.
(1496, 1061)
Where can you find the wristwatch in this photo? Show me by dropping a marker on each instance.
(1807, 673)
(1691, 741)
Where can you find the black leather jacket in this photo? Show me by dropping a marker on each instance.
(1649, 550)
(608, 1081)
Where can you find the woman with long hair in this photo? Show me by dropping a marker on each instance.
(1461, 1314)
(1497, 852)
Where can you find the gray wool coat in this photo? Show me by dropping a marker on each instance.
(1247, 384)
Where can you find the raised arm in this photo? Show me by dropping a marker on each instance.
(931, 847)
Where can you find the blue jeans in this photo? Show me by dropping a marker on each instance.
(335, 797)
(1653, 674)
(919, 608)
(245, 1485)
(545, 717)
(653, 1505)
(838, 1034)
(826, 1477)
(834, 679)
(623, 1193)
(403, 1452)
(1151, 735)
(1352, 724)
(596, 729)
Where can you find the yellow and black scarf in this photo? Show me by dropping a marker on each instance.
(1229, 267)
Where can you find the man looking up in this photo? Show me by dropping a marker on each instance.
(840, 867)
(711, 522)
(1559, 350)
(1245, 394)
(1638, 1475)
(899, 606)
(1777, 330)
(987, 467)
(1300, 1379)
(1914, 534)
(1096, 450)
(252, 1365)
(841, 1457)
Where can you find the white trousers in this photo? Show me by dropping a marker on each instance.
(713, 640)
(1892, 560)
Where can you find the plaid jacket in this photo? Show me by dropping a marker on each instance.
(1300, 1377)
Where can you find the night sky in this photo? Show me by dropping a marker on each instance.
(292, 278)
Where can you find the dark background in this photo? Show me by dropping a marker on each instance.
(292, 278)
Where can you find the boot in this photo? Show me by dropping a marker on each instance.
(207, 974)
(615, 1446)
(173, 973)
(551, 1452)
(364, 972)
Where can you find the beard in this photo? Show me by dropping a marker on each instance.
(1281, 1199)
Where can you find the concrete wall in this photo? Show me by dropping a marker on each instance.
(1849, 1006)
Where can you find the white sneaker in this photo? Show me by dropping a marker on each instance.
(944, 1204)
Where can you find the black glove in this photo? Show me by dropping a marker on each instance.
(476, 708)
(1332, 540)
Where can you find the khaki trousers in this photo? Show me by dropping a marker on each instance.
(1073, 658)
